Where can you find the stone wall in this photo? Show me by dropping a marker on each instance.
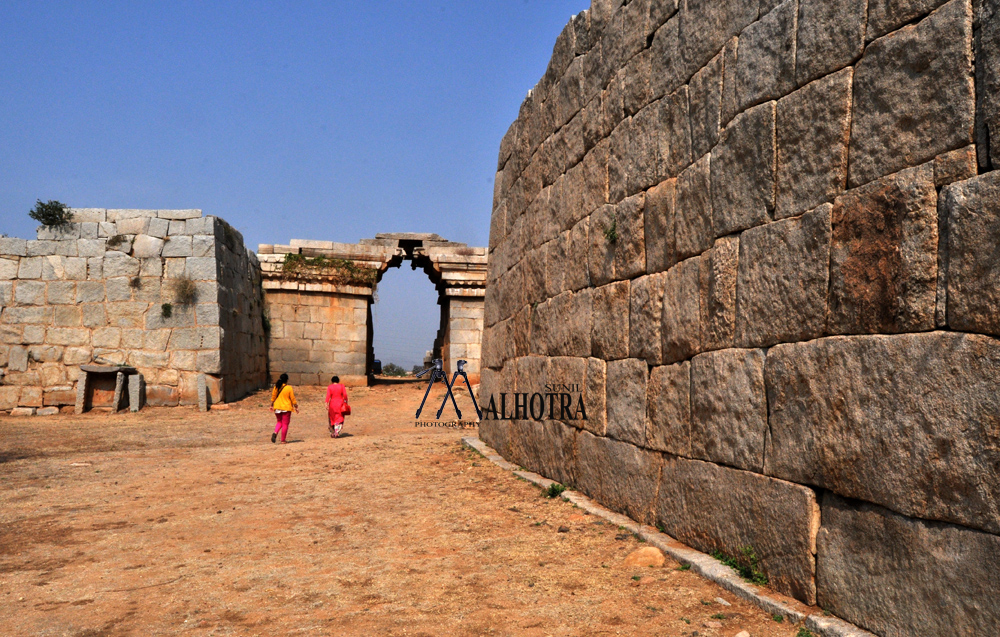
(97, 291)
(761, 236)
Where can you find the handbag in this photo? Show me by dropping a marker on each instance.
(346, 410)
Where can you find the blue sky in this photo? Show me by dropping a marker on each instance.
(320, 120)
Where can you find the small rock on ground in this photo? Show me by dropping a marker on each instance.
(646, 556)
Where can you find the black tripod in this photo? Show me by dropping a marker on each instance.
(454, 380)
(437, 372)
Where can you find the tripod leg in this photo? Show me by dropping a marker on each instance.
(475, 404)
(429, 385)
(452, 396)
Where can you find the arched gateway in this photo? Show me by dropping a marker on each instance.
(319, 296)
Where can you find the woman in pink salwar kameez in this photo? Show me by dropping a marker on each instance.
(336, 404)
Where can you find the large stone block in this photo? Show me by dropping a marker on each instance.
(644, 318)
(595, 398)
(146, 246)
(674, 127)
(988, 83)
(610, 338)
(717, 278)
(693, 227)
(90, 292)
(562, 325)
(705, 26)
(896, 575)
(883, 255)
(813, 129)
(784, 270)
(705, 98)
(637, 156)
(119, 264)
(627, 400)
(546, 447)
(765, 66)
(668, 409)
(8, 269)
(718, 508)
(972, 214)
(743, 170)
(30, 293)
(913, 417)
(729, 408)
(888, 15)
(914, 95)
(681, 326)
(830, 36)
(666, 70)
(10, 246)
(658, 231)
(630, 245)
(619, 475)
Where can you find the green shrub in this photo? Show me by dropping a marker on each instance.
(392, 369)
(554, 490)
(51, 213)
(166, 310)
(745, 564)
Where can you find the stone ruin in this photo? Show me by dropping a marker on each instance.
(168, 307)
(320, 295)
(762, 237)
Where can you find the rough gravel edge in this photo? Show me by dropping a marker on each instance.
(704, 565)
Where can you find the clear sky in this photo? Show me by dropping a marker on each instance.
(322, 120)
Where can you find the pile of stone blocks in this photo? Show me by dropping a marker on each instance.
(97, 291)
(761, 237)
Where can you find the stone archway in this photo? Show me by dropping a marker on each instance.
(319, 296)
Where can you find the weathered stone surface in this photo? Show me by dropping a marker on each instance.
(619, 475)
(705, 97)
(626, 399)
(601, 250)
(784, 270)
(830, 36)
(988, 84)
(610, 338)
(562, 325)
(666, 72)
(913, 95)
(658, 230)
(743, 169)
(681, 327)
(888, 15)
(706, 26)
(693, 227)
(913, 417)
(883, 255)
(813, 130)
(718, 508)
(673, 123)
(956, 165)
(644, 315)
(765, 66)
(717, 276)
(972, 210)
(629, 248)
(634, 80)
(668, 409)
(646, 557)
(118, 264)
(200, 268)
(729, 408)
(546, 447)
(146, 246)
(595, 398)
(896, 575)
(8, 269)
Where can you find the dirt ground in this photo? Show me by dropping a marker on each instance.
(171, 521)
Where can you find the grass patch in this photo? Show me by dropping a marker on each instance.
(185, 291)
(745, 564)
(804, 633)
(342, 271)
(684, 567)
(116, 241)
(611, 232)
(778, 618)
(166, 310)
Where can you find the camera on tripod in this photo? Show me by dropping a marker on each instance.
(437, 371)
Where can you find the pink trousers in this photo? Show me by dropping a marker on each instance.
(281, 426)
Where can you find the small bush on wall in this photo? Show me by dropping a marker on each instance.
(51, 213)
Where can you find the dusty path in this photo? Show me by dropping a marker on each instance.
(173, 521)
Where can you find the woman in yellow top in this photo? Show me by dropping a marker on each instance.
(282, 404)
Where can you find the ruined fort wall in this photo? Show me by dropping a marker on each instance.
(94, 291)
(761, 236)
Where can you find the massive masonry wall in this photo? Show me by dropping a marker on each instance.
(93, 292)
(762, 237)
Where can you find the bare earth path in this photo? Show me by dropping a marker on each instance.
(173, 521)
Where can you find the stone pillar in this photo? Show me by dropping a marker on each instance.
(464, 334)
